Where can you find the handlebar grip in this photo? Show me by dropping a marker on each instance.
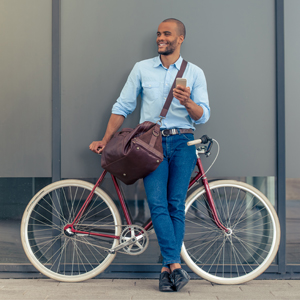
(195, 142)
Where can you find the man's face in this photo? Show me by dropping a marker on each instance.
(167, 38)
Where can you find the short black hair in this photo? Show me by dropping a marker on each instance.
(180, 25)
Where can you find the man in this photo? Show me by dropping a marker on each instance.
(166, 187)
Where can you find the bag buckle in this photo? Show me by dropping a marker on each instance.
(160, 119)
(156, 134)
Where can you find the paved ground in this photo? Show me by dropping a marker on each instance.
(46, 289)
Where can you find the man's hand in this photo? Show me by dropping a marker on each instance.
(182, 94)
(113, 125)
(97, 146)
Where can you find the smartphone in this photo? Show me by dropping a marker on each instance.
(181, 81)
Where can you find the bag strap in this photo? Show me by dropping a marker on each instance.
(170, 96)
(156, 130)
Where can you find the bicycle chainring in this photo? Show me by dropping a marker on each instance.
(138, 232)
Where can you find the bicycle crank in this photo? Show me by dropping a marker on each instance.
(134, 241)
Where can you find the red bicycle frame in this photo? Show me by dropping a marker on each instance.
(200, 175)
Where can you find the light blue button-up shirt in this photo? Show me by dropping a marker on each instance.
(153, 81)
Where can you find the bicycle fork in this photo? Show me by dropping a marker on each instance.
(211, 204)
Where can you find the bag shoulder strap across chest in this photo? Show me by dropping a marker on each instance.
(170, 96)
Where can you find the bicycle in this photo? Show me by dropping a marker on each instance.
(71, 230)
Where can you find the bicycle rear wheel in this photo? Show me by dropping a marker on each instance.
(250, 246)
(59, 254)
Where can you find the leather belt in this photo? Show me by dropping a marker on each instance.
(174, 131)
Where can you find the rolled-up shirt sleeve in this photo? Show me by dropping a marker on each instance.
(200, 96)
(126, 103)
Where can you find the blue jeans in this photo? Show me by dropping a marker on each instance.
(166, 189)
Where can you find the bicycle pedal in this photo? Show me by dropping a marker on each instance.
(121, 246)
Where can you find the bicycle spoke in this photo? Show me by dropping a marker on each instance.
(215, 228)
(234, 204)
(250, 246)
(214, 241)
(223, 213)
(67, 204)
(94, 248)
(252, 222)
(79, 256)
(53, 208)
(72, 202)
(212, 255)
(107, 216)
(91, 208)
(52, 224)
(45, 244)
(236, 254)
(83, 255)
(80, 201)
(63, 248)
(202, 243)
(249, 217)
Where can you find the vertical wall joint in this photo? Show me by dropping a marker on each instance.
(280, 116)
(56, 92)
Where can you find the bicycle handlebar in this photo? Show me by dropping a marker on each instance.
(203, 140)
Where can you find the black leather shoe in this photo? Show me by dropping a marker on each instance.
(180, 278)
(165, 283)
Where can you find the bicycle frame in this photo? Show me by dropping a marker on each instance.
(194, 180)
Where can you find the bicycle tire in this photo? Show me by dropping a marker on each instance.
(239, 256)
(57, 255)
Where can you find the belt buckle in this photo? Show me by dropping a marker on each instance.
(167, 132)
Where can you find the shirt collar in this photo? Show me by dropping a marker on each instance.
(157, 62)
(178, 63)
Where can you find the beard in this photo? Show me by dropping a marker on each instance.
(169, 49)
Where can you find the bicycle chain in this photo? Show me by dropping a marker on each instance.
(110, 250)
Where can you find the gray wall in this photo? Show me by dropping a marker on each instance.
(292, 87)
(232, 41)
(25, 88)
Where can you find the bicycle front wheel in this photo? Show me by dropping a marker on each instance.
(246, 250)
(59, 254)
